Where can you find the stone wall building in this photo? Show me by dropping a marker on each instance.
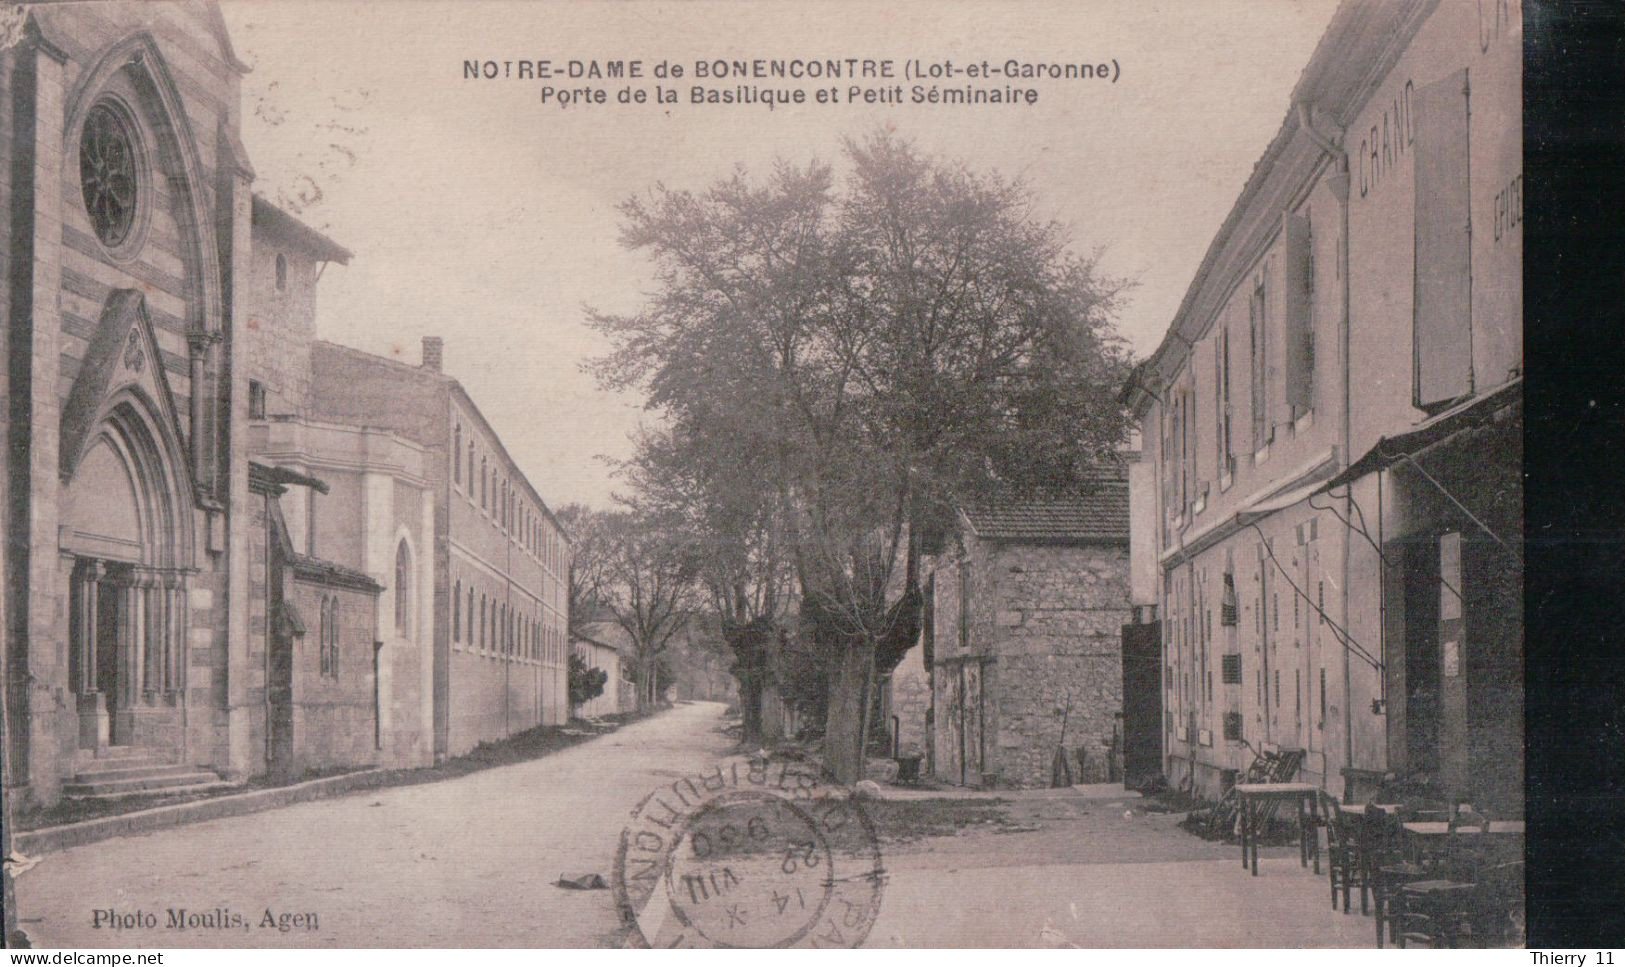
(1024, 609)
(1333, 427)
(494, 561)
(316, 624)
(347, 505)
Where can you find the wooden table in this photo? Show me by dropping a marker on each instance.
(1358, 808)
(1251, 796)
(1421, 838)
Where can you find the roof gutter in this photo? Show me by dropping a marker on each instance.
(1340, 186)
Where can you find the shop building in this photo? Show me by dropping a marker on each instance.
(1333, 424)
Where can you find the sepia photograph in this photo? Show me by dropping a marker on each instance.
(646, 473)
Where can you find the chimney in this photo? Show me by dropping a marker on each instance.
(433, 349)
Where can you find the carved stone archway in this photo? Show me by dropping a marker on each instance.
(127, 538)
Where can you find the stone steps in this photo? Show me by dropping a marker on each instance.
(122, 771)
(120, 754)
(134, 769)
(178, 779)
(150, 798)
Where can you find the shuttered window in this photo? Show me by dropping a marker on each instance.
(1221, 398)
(1258, 326)
(1443, 315)
(1297, 290)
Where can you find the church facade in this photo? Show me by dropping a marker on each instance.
(210, 571)
(128, 222)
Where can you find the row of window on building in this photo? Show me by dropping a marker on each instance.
(483, 624)
(1271, 402)
(484, 486)
(1192, 639)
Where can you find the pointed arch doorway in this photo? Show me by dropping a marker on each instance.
(126, 548)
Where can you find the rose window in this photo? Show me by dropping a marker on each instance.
(107, 174)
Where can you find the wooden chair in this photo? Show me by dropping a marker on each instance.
(1388, 870)
(1432, 912)
(1343, 860)
(1495, 907)
(1459, 892)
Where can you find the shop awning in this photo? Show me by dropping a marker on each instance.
(1300, 486)
(1436, 429)
(1280, 501)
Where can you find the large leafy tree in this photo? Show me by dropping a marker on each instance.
(887, 345)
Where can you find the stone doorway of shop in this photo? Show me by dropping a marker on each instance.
(1457, 713)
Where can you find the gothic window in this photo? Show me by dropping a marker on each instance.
(457, 455)
(321, 638)
(483, 478)
(108, 177)
(333, 640)
(403, 589)
(328, 640)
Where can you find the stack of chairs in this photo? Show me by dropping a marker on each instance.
(1266, 767)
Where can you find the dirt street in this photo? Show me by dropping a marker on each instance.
(468, 862)
(471, 862)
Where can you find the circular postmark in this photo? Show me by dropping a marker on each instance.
(749, 853)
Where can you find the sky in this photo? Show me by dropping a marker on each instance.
(481, 213)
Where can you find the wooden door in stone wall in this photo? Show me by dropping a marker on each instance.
(971, 756)
(953, 760)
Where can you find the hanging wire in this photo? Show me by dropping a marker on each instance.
(1344, 638)
(1361, 529)
(1459, 506)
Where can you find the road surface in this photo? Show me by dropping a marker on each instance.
(466, 862)
(471, 862)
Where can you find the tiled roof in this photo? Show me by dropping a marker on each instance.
(1098, 512)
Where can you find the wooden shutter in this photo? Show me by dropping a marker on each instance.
(1443, 313)
(1220, 464)
(1296, 291)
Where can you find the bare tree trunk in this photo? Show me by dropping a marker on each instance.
(770, 700)
(750, 707)
(848, 705)
(771, 715)
(646, 689)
